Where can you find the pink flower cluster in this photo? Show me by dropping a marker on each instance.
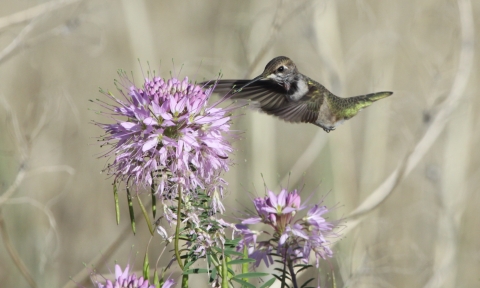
(164, 132)
(293, 238)
(124, 279)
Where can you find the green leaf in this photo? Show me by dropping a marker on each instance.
(281, 281)
(117, 206)
(156, 280)
(303, 268)
(305, 284)
(241, 261)
(146, 267)
(231, 272)
(278, 277)
(268, 283)
(130, 209)
(187, 265)
(229, 252)
(213, 275)
(196, 271)
(209, 259)
(154, 198)
(245, 256)
(214, 259)
(224, 273)
(233, 242)
(251, 275)
(244, 284)
(282, 272)
(145, 214)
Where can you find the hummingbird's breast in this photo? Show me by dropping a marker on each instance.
(298, 89)
(326, 116)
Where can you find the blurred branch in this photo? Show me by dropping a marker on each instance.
(44, 208)
(33, 12)
(446, 261)
(439, 122)
(24, 145)
(102, 259)
(278, 22)
(11, 48)
(18, 180)
(269, 43)
(13, 253)
(3, 230)
(20, 40)
(306, 159)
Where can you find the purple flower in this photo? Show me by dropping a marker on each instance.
(169, 283)
(263, 252)
(164, 133)
(277, 211)
(125, 280)
(294, 238)
(315, 219)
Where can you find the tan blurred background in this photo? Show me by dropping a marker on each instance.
(418, 228)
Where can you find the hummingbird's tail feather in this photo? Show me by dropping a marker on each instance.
(349, 107)
(372, 97)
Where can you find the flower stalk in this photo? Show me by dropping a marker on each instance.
(292, 273)
(177, 228)
(224, 272)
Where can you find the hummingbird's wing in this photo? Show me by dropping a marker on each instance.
(264, 94)
(271, 98)
(300, 111)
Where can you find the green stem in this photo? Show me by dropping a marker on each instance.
(185, 281)
(154, 198)
(185, 276)
(177, 229)
(130, 209)
(117, 206)
(145, 214)
(245, 265)
(224, 273)
(292, 273)
(284, 276)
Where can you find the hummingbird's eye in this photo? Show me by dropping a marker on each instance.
(280, 69)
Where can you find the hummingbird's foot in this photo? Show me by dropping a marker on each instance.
(325, 128)
(328, 129)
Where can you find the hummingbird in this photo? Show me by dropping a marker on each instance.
(281, 90)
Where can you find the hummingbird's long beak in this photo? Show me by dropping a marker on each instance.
(260, 77)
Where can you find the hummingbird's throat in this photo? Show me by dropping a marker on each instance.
(286, 85)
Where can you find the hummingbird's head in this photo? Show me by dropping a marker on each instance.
(280, 70)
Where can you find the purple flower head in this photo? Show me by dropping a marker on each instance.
(169, 283)
(124, 279)
(277, 210)
(263, 253)
(294, 238)
(165, 134)
(316, 221)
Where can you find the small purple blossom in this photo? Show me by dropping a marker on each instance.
(123, 279)
(169, 283)
(277, 211)
(165, 134)
(262, 252)
(293, 238)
